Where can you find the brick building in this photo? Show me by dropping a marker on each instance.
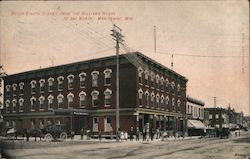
(82, 95)
(218, 117)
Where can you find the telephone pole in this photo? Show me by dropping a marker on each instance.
(215, 102)
(117, 36)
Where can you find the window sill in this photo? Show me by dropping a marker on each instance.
(50, 91)
(60, 90)
(146, 85)
(70, 88)
(140, 106)
(107, 105)
(107, 84)
(82, 87)
(41, 109)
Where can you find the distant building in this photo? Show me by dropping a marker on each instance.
(83, 95)
(195, 114)
(218, 117)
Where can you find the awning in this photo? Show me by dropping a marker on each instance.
(195, 124)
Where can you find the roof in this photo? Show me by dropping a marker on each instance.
(143, 57)
(193, 100)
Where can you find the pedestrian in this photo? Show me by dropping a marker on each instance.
(131, 134)
(157, 133)
(143, 134)
(137, 134)
(100, 135)
(82, 131)
(152, 134)
(147, 134)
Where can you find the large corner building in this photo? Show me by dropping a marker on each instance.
(83, 95)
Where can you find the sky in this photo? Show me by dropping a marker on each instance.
(206, 38)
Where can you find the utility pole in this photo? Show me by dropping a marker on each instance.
(117, 36)
(154, 39)
(2, 74)
(172, 61)
(214, 102)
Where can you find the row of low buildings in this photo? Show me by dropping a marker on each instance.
(82, 95)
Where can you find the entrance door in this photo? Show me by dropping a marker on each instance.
(78, 123)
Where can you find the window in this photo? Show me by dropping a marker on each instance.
(146, 77)
(107, 123)
(178, 87)
(140, 71)
(107, 97)
(82, 96)
(172, 85)
(41, 123)
(167, 83)
(14, 101)
(95, 78)
(178, 103)
(70, 81)
(162, 102)
(60, 101)
(210, 116)
(51, 82)
(95, 99)
(173, 103)
(14, 87)
(162, 84)
(21, 88)
(7, 105)
(7, 89)
(60, 83)
(167, 101)
(32, 103)
(157, 81)
(107, 76)
(147, 99)
(42, 83)
(140, 93)
(50, 102)
(33, 87)
(152, 100)
(21, 101)
(217, 116)
(157, 101)
(82, 77)
(70, 97)
(152, 79)
(95, 124)
(41, 102)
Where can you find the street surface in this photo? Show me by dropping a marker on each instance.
(205, 148)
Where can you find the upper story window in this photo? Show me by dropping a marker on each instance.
(157, 101)
(70, 97)
(210, 116)
(152, 79)
(173, 103)
(7, 105)
(107, 96)
(14, 88)
(147, 99)
(50, 102)
(50, 83)
(21, 101)
(60, 83)
(14, 101)
(21, 88)
(70, 81)
(162, 83)
(172, 85)
(167, 101)
(95, 98)
(167, 83)
(33, 86)
(146, 77)
(152, 99)
(140, 71)
(178, 87)
(157, 81)
(216, 116)
(32, 103)
(95, 78)
(178, 103)
(162, 101)
(8, 87)
(41, 102)
(107, 76)
(140, 93)
(82, 96)
(82, 77)
(60, 100)
(42, 85)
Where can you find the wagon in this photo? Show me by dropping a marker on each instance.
(54, 132)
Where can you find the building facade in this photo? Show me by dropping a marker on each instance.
(218, 117)
(195, 109)
(82, 95)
